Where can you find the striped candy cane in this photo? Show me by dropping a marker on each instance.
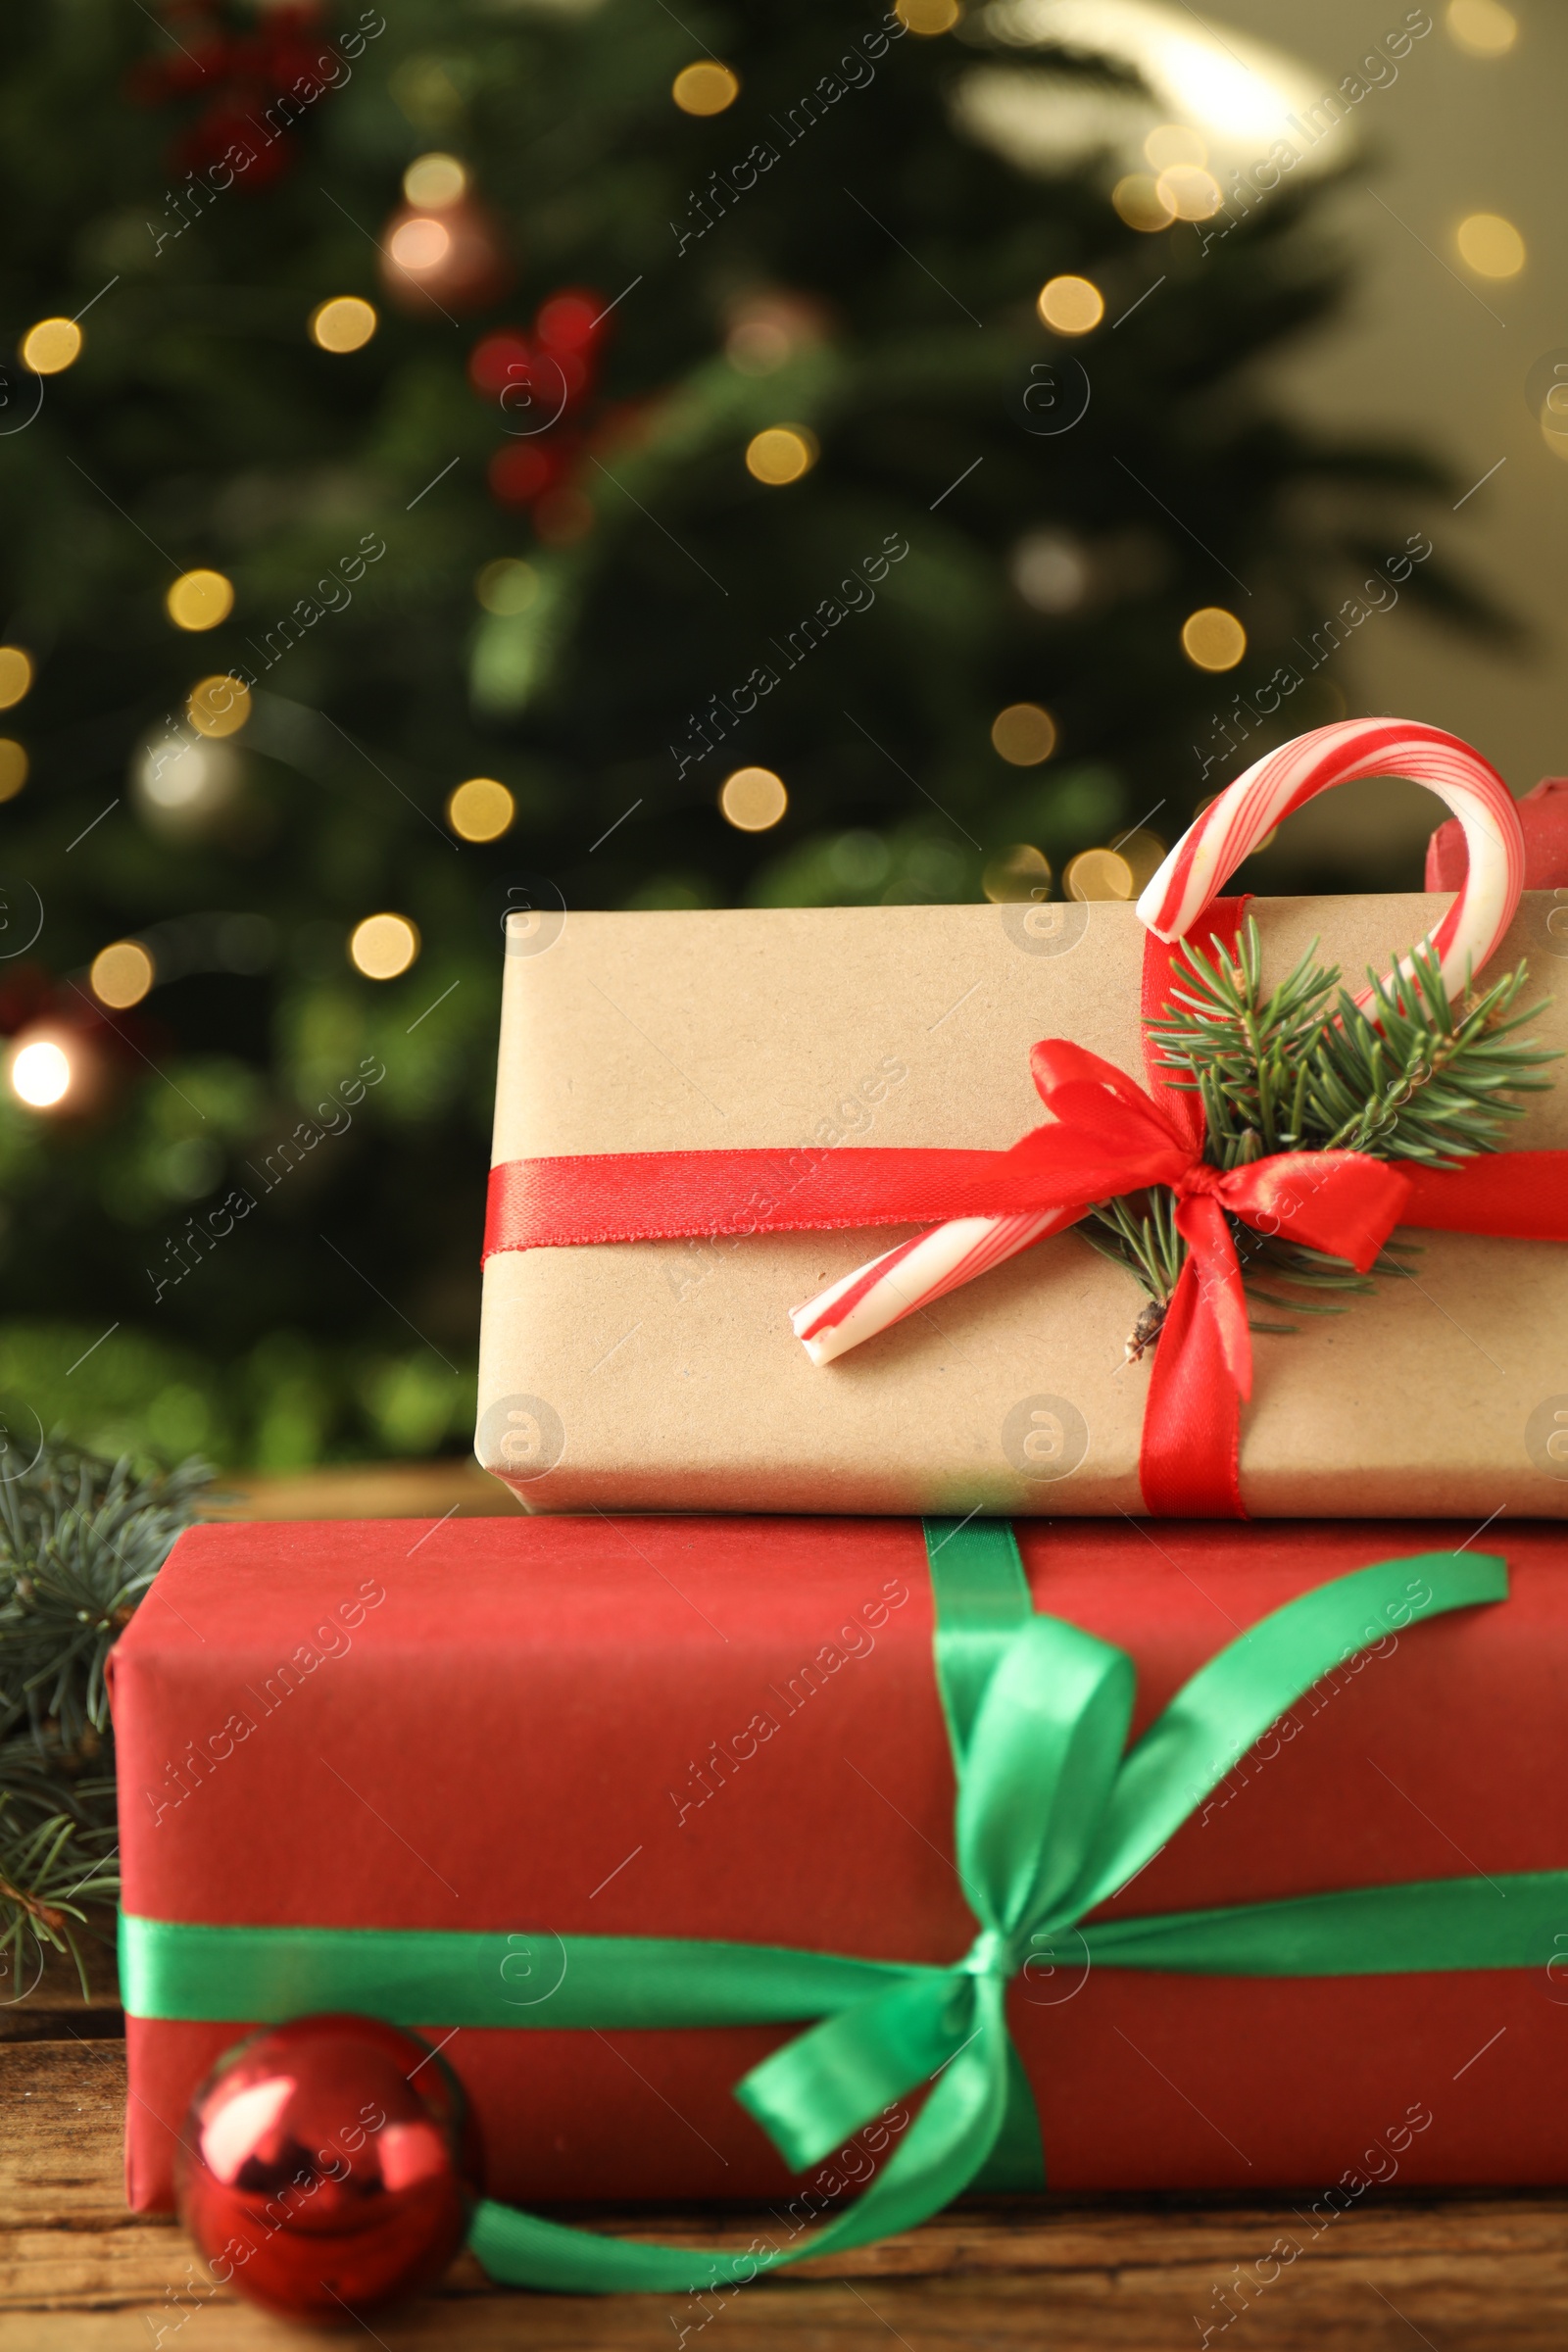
(919, 1271)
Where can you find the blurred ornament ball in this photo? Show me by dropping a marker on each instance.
(441, 244)
(326, 2166)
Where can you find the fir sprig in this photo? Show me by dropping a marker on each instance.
(81, 1541)
(1302, 1067)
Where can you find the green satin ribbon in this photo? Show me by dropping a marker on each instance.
(1054, 1814)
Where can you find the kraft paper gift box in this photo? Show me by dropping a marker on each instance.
(660, 1375)
(731, 1729)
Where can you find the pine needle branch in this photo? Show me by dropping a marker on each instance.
(1304, 1067)
(81, 1542)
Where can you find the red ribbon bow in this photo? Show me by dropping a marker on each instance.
(1110, 1138)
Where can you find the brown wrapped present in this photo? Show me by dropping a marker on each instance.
(664, 1374)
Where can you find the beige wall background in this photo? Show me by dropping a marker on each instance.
(1427, 348)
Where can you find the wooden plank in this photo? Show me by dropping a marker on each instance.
(366, 1490)
(1472, 2272)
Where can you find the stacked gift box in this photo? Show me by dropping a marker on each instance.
(1015, 1725)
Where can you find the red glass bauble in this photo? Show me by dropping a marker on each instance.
(327, 2165)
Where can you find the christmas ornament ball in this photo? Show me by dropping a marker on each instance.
(327, 2165)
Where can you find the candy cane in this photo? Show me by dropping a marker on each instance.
(1231, 827)
(918, 1271)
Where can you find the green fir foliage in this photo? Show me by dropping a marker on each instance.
(81, 1542)
(1403, 1074)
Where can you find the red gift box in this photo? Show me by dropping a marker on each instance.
(730, 1729)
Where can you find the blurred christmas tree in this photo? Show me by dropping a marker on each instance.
(577, 406)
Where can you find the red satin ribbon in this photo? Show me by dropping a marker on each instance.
(1107, 1136)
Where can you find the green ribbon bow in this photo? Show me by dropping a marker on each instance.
(1053, 1816)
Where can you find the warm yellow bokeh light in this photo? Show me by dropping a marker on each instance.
(434, 180)
(1491, 245)
(1099, 874)
(781, 453)
(122, 974)
(345, 323)
(1483, 27)
(1138, 201)
(1192, 193)
(1143, 854)
(1171, 144)
(13, 767)
(1017, 875)
(507, 586)
(383, 946)
(200, 599)
(1024, 734)
(15, 675)
(51, 345)
(480, 810)
(40, 1074)
(1073, 306)
(219, 705)
(421, 243)
(752, 799)
(1213, 638)
(927, 17)
(705, 88)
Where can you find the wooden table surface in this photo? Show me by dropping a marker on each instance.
(1470, 2272)
(1467, 2272)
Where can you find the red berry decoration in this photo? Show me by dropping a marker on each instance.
(328, 2165)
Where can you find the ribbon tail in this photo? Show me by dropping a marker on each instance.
(815, 2092)
(1189, 1460)
(1016, 2164)
(948, 2145)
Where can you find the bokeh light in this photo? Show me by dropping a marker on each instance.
(13, 767)
(51, 345)
(41, 1073)
(16, 675)
(781, 453)
(122, 974)
(1073, 306)
(219, 705)
(1213, 638)
(383, 946)
(1138, 201)
(1024, 734)
(766, 327)
(705, 88)
(752, 799)
(507, 586)
(421, 243)
(1483, 27)
(1170, 144)
(1191, 192)
(1016, 875)
(1050, 571)
(1099, 874)
(182, 785)
(200, 599)
(1490, 245)
(481, 810)
(927, 17)
(1143, 854)
(345, 323)
(434, 182)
